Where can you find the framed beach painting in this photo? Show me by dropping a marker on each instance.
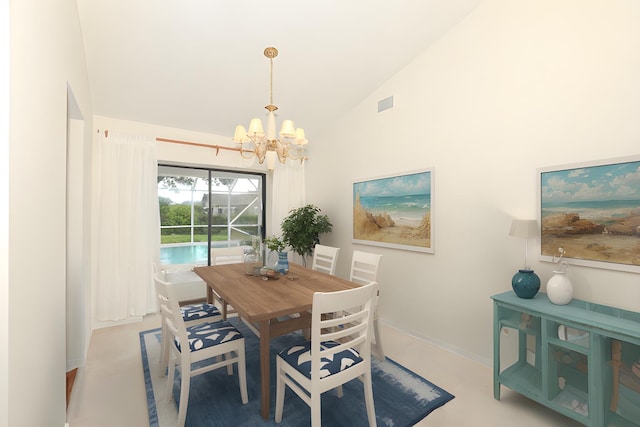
(395, 211)
(592, 211)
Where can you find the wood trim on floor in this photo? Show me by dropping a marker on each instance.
(71, 377)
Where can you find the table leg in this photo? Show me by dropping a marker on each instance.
(264, 368)
(223, 303)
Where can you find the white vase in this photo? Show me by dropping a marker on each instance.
(272, 260)
(559, 288)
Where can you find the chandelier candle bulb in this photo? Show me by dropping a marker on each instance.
(271, 126)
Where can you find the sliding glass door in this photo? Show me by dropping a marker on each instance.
(203, 208)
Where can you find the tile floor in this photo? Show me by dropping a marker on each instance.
(109, 390)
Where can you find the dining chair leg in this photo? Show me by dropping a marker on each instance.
(377, 348)
(368, 398)
(172, 370)
(185, 372)
(230, 365)
(242, 376)
(315, 410)
(164, 351)
(279, 390)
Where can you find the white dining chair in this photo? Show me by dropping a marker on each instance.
(325, 259)
(339, 351)
(364, 269)
(192, 314)
(222, 256)
(230, 255)
(207, 345)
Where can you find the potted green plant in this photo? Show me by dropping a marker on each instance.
(302, 228)
(275, 243)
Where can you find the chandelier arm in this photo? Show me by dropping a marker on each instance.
(250, 156)
(294, 157)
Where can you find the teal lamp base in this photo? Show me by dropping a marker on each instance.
(525, 283)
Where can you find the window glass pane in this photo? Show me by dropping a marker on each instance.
(201, 208)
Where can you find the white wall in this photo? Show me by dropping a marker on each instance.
(4, 211)
(47, 57)
(516, 86)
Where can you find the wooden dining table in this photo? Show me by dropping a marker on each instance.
(275, 306)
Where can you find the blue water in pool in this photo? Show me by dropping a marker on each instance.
(184, 254)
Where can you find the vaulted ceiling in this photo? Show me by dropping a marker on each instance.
(199, 64)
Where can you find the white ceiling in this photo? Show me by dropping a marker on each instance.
(199, 64)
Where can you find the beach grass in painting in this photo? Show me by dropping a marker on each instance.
(394, 211)
(593, 212)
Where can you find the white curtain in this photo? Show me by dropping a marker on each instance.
(288, 192)
(128, 226)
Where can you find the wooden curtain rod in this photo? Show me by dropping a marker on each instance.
(197, 144)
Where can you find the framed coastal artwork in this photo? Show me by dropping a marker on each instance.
(592, 211)
(395, 211)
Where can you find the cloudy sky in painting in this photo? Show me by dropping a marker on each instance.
(619, 181)
(418, 183)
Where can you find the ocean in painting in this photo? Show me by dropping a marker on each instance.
(410, 207)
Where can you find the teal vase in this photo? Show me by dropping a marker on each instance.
(282, 266)
(525, 283)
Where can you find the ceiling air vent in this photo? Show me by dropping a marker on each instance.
(385, 104)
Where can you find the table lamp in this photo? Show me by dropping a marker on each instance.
(525, 282)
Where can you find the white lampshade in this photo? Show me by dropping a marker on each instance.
(240, 134)
(300, 139)
(255, 128)
(524, 228)
(288, 129)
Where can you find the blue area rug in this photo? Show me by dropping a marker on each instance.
(402, 398)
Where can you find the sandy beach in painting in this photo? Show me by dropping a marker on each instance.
(382, 227)
(612, 236)
(592, 212)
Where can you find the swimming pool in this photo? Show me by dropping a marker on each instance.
(190, 253)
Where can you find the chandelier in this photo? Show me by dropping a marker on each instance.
(257, 143)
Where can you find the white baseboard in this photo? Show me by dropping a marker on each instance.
(444, 345)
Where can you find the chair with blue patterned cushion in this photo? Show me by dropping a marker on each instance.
(364, 269)
(207, 345)
(192, 314)
(339, 351)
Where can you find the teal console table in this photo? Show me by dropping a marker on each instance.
(577, 359)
